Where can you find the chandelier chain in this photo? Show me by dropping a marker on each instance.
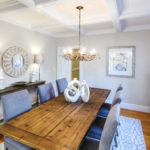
(79, 28)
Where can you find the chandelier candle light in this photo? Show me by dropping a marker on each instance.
(81, 54)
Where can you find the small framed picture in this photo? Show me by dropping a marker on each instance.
(121, 61)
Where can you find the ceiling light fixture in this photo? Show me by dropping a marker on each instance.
(81, 54)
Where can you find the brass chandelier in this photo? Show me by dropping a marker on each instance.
(80, 54)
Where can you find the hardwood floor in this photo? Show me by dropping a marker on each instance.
(145, 120)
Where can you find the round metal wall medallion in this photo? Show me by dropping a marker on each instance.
(15, 61)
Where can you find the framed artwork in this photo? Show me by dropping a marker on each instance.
(121, 61)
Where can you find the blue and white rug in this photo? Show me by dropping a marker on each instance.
(130, 135)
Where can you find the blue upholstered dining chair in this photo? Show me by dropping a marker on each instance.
(15, 104)
(61, 85)
(46, 92)
(98, 139)
(106, 106)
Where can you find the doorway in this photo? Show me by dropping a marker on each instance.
(75, 68)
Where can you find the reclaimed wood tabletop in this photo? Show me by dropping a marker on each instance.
(56, 124)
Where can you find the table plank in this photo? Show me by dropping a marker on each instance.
(29, 139)
(70, 132)
(56, 124)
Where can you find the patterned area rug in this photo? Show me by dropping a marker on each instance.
(130, 135)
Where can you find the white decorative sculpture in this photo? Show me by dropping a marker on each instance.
(75, 89)
(72, 92)
(85, 92)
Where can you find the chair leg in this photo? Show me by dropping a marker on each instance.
(6, 148)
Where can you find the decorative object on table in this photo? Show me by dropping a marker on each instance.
(38, 59)
(15, 61)
(81, 54)
(72, 92)
(85, 91)
(121, 61)
(75, 89)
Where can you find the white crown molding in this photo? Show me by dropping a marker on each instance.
(66, 35)
(135, 107)
(46, 33)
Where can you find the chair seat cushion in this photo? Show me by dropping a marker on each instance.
(89, 145)
(103, 112)
(14, 145)
(94, 133)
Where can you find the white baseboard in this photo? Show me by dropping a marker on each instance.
(135, 107)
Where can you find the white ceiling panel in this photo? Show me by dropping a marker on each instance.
(136, 5)
(92, 9)
(32, 17)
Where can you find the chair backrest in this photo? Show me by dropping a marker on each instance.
(15, 104)
(61, 85)
(110, 127)
(46, 92)
(118, 95)
(117, 99)
(120, 87)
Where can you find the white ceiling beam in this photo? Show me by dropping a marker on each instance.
(58, 17)
(102, 31)
(28, 3)
(115, 8)
(46, 26)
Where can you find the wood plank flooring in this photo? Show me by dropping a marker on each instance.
(145, 120)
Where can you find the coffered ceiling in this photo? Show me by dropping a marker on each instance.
(59, 18)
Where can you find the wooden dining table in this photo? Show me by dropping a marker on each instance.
(56, 124)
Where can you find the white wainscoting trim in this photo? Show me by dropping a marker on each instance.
(135, 107)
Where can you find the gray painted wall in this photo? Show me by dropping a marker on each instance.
(11, 35)
(137, 90)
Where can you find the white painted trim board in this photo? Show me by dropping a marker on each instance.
(135, 107)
